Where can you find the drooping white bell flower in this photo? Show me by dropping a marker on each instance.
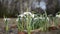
(27, 13)
(21, 15)
(35, 18)
(44, 18)
(6, 19)
(33, 15)
(58, 16)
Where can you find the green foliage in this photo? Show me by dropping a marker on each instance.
(6, 24)
(32, 23)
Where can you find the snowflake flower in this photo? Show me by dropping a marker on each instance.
(58, 16)
(6, 19)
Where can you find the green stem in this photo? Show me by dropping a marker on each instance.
(6, 23)
(46, 20)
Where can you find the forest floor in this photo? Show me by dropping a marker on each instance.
(13, 28)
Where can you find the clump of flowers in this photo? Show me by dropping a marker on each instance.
(26, 13)
(31, 21)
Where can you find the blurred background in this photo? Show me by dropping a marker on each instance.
(12, 8)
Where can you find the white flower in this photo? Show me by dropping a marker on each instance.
(21, 15)
(44, 18)
(27, 13)
(47, 18)
(33, 15)
(6, 19)
(35, 18)
(58, 16)
(17, 19)
(41, 17)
